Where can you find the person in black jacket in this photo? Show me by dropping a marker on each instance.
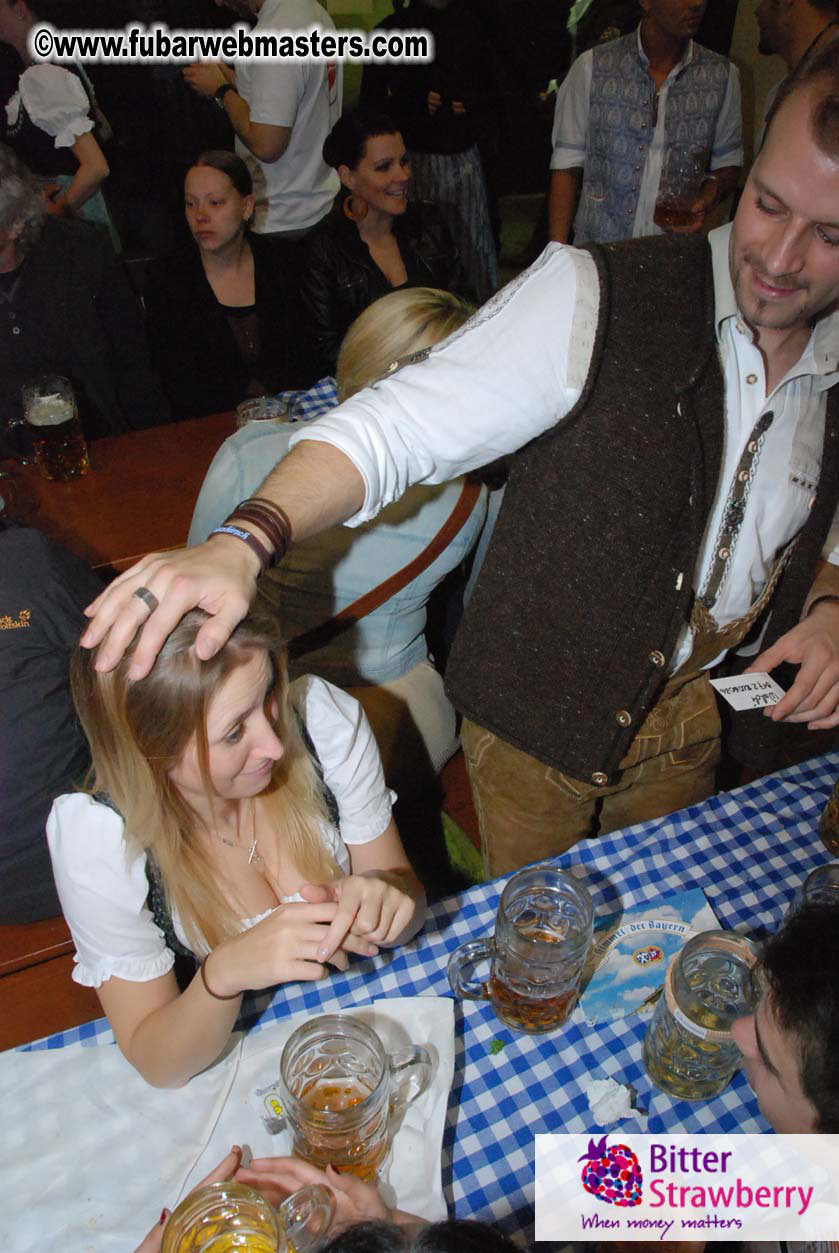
(43, 591)
(217, 316)
(66, 308)
(375, 240)
(444, 109)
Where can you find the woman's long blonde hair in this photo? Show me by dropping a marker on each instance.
(391, 328)
(137, 733)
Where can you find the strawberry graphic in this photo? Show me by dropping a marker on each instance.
(612, 1174)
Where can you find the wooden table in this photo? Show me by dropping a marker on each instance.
(138, 496)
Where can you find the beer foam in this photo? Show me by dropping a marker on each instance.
(50, 410)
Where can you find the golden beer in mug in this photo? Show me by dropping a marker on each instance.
(58, 443)
(340, 1091)
(536, 953)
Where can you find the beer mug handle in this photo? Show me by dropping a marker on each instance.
(15, 449)
(306, 1216)
(467, 955)
(411, 1069)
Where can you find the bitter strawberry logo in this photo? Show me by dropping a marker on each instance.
(612, 1173)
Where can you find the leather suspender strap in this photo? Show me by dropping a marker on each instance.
(323, 634)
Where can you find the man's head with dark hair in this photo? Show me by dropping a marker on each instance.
(784, 245)
(791, 1043)
(789, 28)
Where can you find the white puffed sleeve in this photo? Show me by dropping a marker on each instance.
(57, 102)
(349, 757)
(102, 887)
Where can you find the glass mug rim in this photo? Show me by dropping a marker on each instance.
(517, 881)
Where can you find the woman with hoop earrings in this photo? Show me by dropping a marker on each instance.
(375, 240)
(217, 314)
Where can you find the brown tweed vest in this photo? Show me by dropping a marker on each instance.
(588, 578)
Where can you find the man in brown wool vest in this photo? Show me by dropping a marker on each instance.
(673, 498)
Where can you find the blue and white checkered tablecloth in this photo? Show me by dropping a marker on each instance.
(746, 849)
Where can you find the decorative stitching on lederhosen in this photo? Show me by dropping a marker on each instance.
(186, 963)
(709, 640)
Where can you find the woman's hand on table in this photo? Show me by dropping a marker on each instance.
(372, 907)
(285, 946)
(225, 1170)
(218, 576)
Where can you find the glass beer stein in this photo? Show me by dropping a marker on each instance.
(58, 444)
(340, 1091)
(227, 1217)
(688, 1049)
(543, 930)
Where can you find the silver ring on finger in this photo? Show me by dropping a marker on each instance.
(147, 597)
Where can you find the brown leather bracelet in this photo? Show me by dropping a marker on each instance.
(818, 600)
(270, 518)
(215, 995)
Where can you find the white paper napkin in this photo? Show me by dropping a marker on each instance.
(92, 1153)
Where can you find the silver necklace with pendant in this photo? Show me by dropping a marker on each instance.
(254, 855)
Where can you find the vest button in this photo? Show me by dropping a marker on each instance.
(751, 378)
(743, 476)
(657, 658)
(623, 717)
(723, 554)
(599, 779)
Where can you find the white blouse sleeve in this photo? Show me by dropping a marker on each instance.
(57, 102)
(349, 757)
(102, 887)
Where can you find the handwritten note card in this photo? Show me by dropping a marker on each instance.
(749, 691)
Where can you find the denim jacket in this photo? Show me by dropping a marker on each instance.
(322, 575)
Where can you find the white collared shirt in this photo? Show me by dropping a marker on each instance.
(519, 366)
(297, 190)
(571, 122)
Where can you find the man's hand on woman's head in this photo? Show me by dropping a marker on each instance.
(218, 576)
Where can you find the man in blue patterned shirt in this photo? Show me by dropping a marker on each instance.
(629, 106)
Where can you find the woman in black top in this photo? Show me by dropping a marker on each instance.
(218, 315)
(375, 240)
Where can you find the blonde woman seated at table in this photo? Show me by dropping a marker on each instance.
(383, 660)
(233, 819)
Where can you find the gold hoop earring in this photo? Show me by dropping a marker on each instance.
(355, 212)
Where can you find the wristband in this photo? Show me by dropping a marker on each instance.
(255, 545)
(818, 600)
(215, 995)
(221, 92)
